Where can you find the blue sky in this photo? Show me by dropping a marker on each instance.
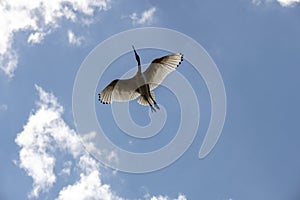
(255, 45)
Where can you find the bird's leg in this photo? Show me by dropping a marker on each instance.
(155, 104)
(152, 109)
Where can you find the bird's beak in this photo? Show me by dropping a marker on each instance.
(135, 51)
(133, 48)
(136, 56)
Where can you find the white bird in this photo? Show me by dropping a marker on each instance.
(142, 84)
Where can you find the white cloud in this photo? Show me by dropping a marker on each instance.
(66, 168)
(160, 197)
(44, 135)
(145, 18)
(44, 131)
(181, 197)
(38, 18)
(288, 3)
(284, 3)
(75, 40)
(36, 37)
(256, 2)
(259, 2)
(89, 186)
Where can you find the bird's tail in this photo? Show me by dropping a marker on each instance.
(144, 102)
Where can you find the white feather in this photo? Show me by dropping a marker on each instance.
(126, 90)
(160, 68)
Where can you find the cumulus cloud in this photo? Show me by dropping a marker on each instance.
(45, 131)
(45, 135)
(37, 18)
(89, 186)
(73, 39)
(145, 18)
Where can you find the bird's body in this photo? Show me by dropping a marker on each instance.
(142, 84)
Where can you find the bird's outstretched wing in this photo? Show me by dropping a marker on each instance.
(160, 68)
(119, 90)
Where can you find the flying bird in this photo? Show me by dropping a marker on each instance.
(143, 83)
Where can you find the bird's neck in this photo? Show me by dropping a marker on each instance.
(139, 69)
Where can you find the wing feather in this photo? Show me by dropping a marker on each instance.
(160, 68)
(119, 90)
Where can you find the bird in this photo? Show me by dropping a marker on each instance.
(141, 84)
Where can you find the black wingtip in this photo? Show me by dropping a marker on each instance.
(99, 98)
(103, 102)
(181, 59)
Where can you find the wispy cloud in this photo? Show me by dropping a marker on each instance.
(160, 197)
(36, 37)
(146, 17)
(38, 18)
(43, 136)
(3, 107)
(256, 2)
(66, 168)
(73, 39)
(288, 3)
(284, 3)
